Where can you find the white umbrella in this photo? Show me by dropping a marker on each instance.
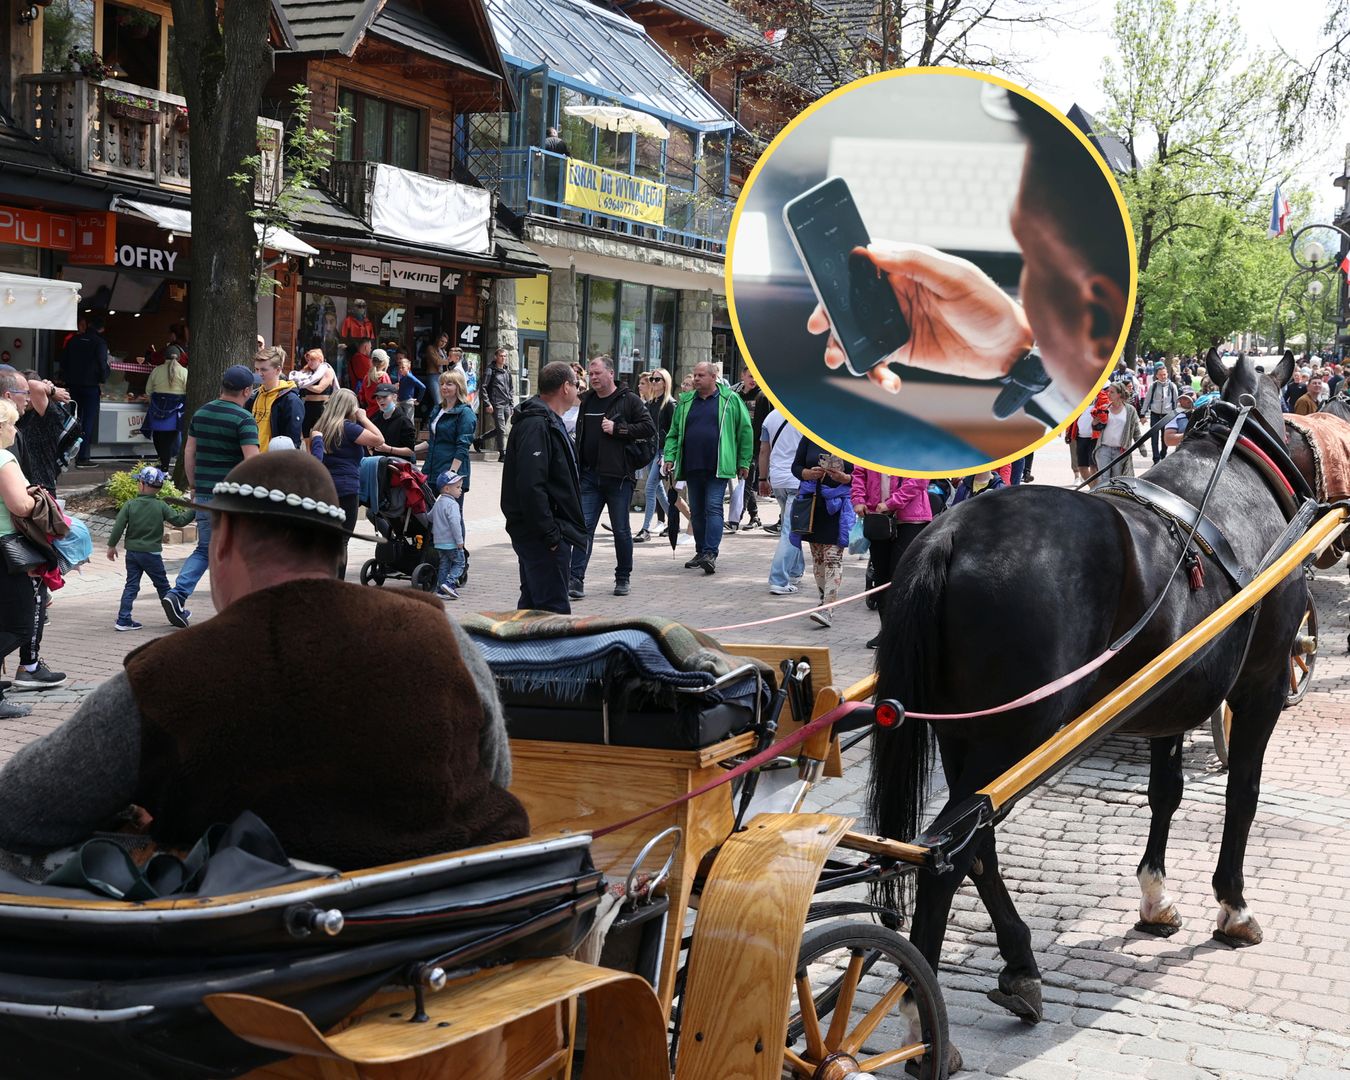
(33, 303)
(617, 118)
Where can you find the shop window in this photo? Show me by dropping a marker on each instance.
(381, 131)
(633, 354)
(66, 25)
(600, 317)
(662, 348)
(131, 44)
(714, 171)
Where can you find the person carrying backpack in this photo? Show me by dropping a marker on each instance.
(615, 438)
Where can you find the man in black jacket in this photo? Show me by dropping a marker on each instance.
(497, 394)
(615, 438)
(541, 494)
(84, 364)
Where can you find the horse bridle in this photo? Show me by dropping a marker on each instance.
(1260, 446)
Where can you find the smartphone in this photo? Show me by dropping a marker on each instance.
(826, 227)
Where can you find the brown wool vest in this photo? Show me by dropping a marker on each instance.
(273, 706)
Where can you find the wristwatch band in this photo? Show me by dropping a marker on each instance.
(1027, 388)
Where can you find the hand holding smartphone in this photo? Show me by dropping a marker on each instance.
(826, 229)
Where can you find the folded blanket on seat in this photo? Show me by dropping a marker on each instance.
(537, 650)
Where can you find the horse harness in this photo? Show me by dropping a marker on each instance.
(1259, 447)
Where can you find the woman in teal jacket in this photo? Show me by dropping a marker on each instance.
(452, 427)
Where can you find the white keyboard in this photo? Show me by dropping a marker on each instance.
(956, 196)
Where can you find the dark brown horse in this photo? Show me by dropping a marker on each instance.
(1013, 590)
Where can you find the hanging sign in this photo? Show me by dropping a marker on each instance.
(615, 194)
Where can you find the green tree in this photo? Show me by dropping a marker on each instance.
(1202, 134)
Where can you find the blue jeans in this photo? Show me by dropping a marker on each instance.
(655, 492)
(452, 565)
(617, 495)
(150, 563)
(705, 493)
(789, 564)
(194, 566)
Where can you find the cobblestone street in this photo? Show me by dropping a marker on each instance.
(1117, 1002)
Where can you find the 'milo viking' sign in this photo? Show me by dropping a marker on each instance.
(616, 194)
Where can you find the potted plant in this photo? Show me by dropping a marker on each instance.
(137, 22)
(90, 63)
(131, 107)
(267, 139)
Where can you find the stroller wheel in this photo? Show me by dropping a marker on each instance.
(424, 577)
(370, 571)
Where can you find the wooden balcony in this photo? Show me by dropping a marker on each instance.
(132, 132)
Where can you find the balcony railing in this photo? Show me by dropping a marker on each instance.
(530, 181)
(103, 127)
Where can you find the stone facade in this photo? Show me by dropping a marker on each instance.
(501, 321)
(564, 320)
(693, 342)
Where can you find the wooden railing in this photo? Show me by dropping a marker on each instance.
(130, 131)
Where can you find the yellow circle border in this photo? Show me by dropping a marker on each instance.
(984, 77)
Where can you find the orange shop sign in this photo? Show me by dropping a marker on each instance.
(89, 237)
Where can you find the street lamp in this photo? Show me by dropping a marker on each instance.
(1313, 263)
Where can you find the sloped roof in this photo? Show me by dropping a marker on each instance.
(403, 24)
(328, 25)
(603, 53)
(716, 15)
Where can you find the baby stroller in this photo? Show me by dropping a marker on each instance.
(398, 502)
(940, 494)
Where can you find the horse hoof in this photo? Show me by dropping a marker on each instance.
(1237, 929)
(1021, 996)
(954, 1063)
(1159, 929)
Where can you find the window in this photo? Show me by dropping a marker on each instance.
(600, 317)
(680, 159)
(381, 131)
(663, 329)
(66, 25)
(578, 134)
(714, 170)
(633, 353)
(131, 44)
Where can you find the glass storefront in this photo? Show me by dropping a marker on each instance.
(635, 324)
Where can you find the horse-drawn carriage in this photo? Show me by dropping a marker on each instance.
(647, 756)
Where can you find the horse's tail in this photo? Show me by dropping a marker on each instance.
(907, 655)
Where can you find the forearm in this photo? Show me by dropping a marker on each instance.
(60, 788)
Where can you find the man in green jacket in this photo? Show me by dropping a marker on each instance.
(709, 444)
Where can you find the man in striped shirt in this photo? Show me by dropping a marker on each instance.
(221, 435)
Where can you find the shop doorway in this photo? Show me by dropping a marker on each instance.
(531, 355)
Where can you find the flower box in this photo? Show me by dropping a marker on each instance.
(127, 110)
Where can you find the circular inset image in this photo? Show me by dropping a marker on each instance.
(931, 271)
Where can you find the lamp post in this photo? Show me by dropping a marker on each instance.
(1314, 263)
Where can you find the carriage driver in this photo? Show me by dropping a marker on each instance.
(1075, 281)
(253, 710)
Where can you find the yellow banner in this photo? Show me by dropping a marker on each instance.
(616, 194)
(532, 303)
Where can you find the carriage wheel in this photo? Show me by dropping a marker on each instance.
(1303, 657)
(1221, 727)
(859, 986)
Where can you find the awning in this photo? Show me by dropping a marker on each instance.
(179, 221)
(617, 118)
(33, 303)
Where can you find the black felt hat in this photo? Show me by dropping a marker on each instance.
(285, 485)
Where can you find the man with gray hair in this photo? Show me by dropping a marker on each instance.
(709, 445)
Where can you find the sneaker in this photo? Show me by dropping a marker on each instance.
(731, 526)
(576, 590)
(696, 561)
(174, 611)
(754, 523)
(825, 618)
(709, 564)
(783, 590)
(684, 541)
(621, 588)
(775, 528)
(10, 711)
(85, 465)
(873, 643)
(130, 624)
(447, 592)
(40, 678)
(641, 536)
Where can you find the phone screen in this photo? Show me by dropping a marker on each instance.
(826, 228)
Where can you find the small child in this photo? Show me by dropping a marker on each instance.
(447, 533)
(142, 519)
(977, 484)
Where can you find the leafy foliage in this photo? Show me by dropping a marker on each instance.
(123, 486)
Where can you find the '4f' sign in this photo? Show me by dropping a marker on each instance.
(470, 334)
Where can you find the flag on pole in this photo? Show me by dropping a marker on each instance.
(1279, 213)
(775, 37)
(1344, 265)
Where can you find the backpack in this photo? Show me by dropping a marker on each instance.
(68, 442)
(638, 453)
